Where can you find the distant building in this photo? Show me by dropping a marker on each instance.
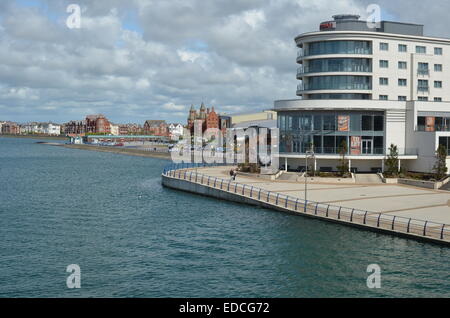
(156, 128)
(209, 118)
(10, 128)
(114, 130)
(98, 124)
(253, 116)
(175, 131)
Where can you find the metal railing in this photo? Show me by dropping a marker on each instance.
(375, 220)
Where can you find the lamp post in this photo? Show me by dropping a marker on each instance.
(311, 154)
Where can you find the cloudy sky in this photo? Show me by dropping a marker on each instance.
(134, 60)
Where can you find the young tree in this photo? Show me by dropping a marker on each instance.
(343, 165)
(440, 168)
(392, 161)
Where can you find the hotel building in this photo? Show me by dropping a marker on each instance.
(369, 87)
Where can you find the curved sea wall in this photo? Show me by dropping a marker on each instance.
(184, 178)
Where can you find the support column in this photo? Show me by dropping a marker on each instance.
(285, 164)
(382, 165)
(315, 164)
(349, 165)
(399, 165)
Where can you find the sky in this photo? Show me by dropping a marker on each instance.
(134, 60)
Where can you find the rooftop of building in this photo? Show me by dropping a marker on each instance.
(353, 23)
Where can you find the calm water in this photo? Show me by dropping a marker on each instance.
(133, 238)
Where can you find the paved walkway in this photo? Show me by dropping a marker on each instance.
(400, 200)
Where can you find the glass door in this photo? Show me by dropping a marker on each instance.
(366, 147)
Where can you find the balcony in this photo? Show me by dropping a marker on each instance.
(307, 87)
(423, 88)
(329, 69)
(423, 72)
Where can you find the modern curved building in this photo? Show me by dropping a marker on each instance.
(370, 87)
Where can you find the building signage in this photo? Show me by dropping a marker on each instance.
(355, 145)
(343, 122)
(429, 123)
(328, 25)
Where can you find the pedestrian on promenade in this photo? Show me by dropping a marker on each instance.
(232, 174)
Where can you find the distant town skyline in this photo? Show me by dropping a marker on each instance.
(132, 61)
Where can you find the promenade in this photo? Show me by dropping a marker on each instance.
(398, 209)
(393, 199)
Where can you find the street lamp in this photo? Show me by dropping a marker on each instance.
(309, 153)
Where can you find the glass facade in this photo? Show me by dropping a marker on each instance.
(348, 82)
(339, 96)
(339, 47)
(325, 131)
(338, 65)
(431, 123)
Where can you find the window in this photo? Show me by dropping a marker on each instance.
(421, 123)
(438, 99)
(402, 48)
(437, 51)
(423, 69)
(423, 98)
(384, 81)
(355, 122)
(402, 98)
(367, 123)
(422, 85)
(438, 67)
(384, 46)
(402, 82)
(383, 97)
(384, 64)
(402, 65)
(437, 84)
(329, 122)
(378, 123)
(421, 50)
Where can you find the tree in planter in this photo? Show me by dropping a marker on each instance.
(392, 161)
(343, 165)
(440, 168)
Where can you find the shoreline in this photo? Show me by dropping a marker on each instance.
(35, 137)
(123, 151)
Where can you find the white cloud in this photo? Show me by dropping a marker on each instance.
(237, 55)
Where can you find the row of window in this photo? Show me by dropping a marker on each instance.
(422, 85)
(331, 122)
(422, 67)
(404, 98)
(404, 48)
(432, 123)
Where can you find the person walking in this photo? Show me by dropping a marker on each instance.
(232, 174)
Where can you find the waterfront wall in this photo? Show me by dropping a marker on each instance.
(225, 189)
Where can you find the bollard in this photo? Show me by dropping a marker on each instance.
(259, 195)
(365, 215)
(339, 213)
(425, 229)
(407, 228)
(378, 221)
(442, 231)
(351, 215)
(276, 201)
(393, 222)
